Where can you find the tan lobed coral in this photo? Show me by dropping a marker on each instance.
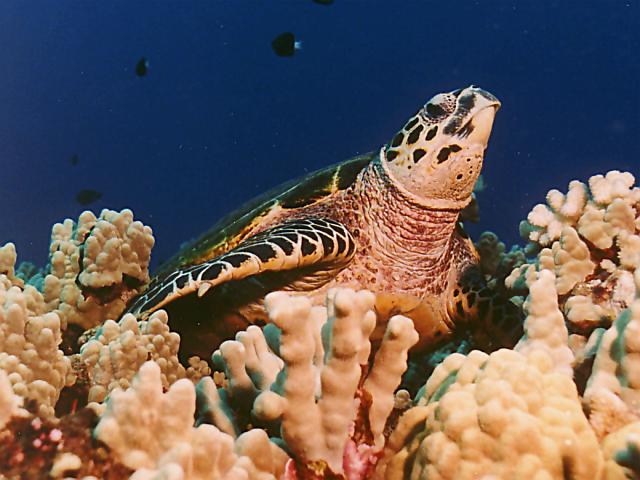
(456, 432)
(504, 415)
(96, 266)
(621, 451)
(511, 414)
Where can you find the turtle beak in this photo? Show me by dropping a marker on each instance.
(479, 108)
(483, 122)
(483, 95)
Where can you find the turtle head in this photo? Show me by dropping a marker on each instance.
(437, 156)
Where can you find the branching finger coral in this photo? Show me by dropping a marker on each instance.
(494, 261)
(331, 417)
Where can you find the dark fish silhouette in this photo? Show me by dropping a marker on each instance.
(141, 67)
(75, 159)
(85, 197)
(323, 2)
(285, 44)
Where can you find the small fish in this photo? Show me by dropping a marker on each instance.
(285, 44)
(75, 159)
(323, 2)
(85, 197)
(141, 67)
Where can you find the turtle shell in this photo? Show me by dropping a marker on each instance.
(232, 229)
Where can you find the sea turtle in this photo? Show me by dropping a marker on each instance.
(387, 221)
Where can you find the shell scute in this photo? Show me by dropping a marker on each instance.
(234, 228)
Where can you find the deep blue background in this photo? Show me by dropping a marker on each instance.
(219, 118)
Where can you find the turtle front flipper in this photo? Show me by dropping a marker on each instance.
(485, 312)
(316, 247)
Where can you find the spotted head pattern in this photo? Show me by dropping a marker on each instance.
(438, 154)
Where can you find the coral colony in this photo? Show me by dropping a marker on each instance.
(86, 392)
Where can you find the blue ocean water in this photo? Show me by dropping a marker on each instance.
(219, 118)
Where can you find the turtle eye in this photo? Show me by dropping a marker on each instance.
(435, 110)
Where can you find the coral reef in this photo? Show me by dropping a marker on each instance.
(590, 238)
(117, 350)
(329, 407)
(96, 265)
(309, 395)
(621, 451)
(544, 326)
(8, 257)
(29, 355)
(10, 403)
(33, 448)
(510, 414)
(612, 395)
(504, 415)
(153, 433)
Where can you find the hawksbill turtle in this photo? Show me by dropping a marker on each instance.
(387, 221)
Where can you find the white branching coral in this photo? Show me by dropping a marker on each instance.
(96, 266)
(117, 247)
(612, 396)
(599, 211)
(569, 258)
(590, 239)
(504, 415)
(153, 432)
(311, 382)
(118, 349)
(29, 353)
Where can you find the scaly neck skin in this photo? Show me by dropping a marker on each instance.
(400, 229)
